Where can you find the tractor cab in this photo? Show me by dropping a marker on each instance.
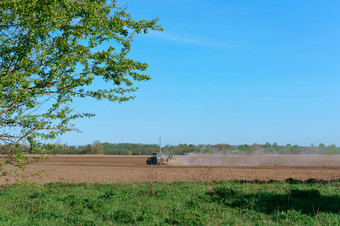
(156, 155)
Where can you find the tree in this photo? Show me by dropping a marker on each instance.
(267, 145)
(321, 146)
(97, 148)
(244, 148)
(295, 149)
(51, 51)
(221, 147)
(254, 147)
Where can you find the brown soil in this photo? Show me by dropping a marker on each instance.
(112, 169)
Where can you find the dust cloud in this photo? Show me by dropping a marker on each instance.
(217, 159)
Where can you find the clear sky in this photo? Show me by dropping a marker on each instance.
(228, 71)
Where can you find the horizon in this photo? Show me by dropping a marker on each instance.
(235, 145)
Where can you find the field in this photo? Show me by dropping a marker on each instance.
(122, 169)
(194, 189)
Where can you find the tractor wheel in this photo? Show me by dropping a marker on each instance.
(148, 162)
(155, 161)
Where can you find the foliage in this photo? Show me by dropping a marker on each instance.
(148, 149)
(51, 53)
(179, 203)
(110, 149)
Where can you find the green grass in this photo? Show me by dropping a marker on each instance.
(179, 203)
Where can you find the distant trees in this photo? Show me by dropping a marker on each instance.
(322, 146)
(267, 145)
(147, 149)
(275, 146)
(332, 149)
(244, 148)
(295, 149)
(254, 147)
(97, 148)
(222, 147)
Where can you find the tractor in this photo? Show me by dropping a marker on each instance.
(156, 159)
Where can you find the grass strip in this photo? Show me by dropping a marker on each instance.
(178, 203)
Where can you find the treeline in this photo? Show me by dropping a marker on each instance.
(109, 149)
(147, 149)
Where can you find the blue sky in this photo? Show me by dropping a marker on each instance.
(228, 72)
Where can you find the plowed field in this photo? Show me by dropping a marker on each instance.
(92, 169)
